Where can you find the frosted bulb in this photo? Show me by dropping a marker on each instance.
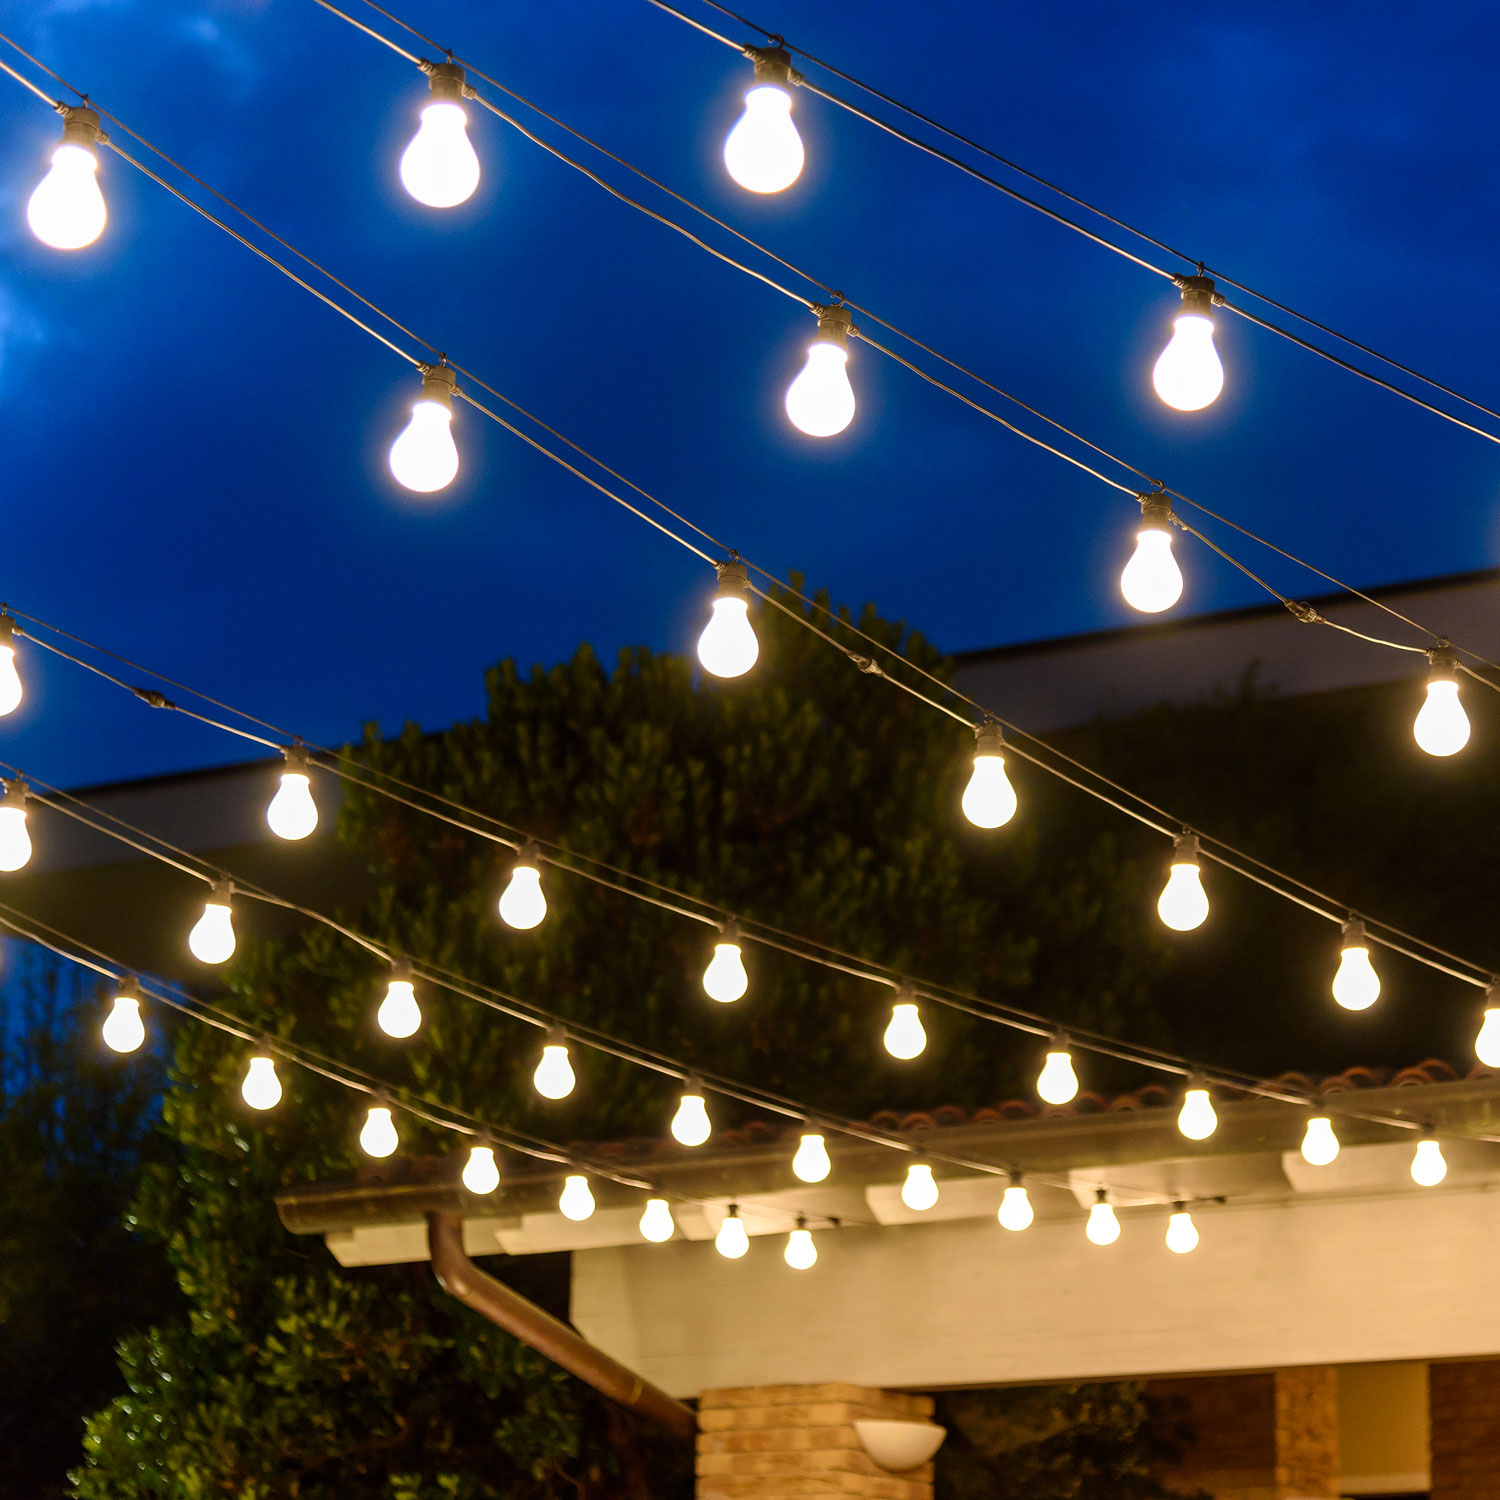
(554, 1077)
(15, 842)
(811, 1163)
(66, 211)
(1015, 1208)
(293, 814)
(764, 152)
(576, 1202)
(1442, 727)
(1428, 1168)
(904, 1036)
(522, 903)
(732, 1240)
(212, 938)
(919, 1192)
(1356, 985)
(123, 1029)
(1058, 1083)
(261, 1088)
(690, 1125)
(1183, 903)
(989, 799)
(440, 167)
(481, 1174)
(1487, 1043)
(820, 401)
(1103, 1228)
(1197, 1120)
(10, 681)
(424, 456)
(378, 1137)
(656, 1222)
(1152, 581)
(801, 1254)
(1319, 1145)
(1182, 1233)
(1188, 373)
(725, 979)
(728, 647)
(399, 1014)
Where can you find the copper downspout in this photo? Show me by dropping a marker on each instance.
(461, 1278)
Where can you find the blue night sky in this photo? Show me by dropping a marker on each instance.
(195, 449)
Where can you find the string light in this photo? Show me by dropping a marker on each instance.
(1189, 374)
(293, 814)
(212, 937)
(1151, 580)
(1103, 1228)
(576, 1202)
(1197, 1120)
(424, 457)
(811, 1163)
(440, 167)
(378, 1136)
(481, 1172)
(1487, 1043)
(399, 1014)
(1183, 903)
(1058, 1083)
(763, 152)
(728, 647)
(10, 679)
(554, 1077)
(66, 210)
(1320, 1146)
(1356, 985)
(691, 1125)
(800, 1253)
(920, 1191)
(15, 841)
(904, 1036)
(261, 1088)
(523, 903)
(725, 979)
(1428, 1165)
(657, 1224)
(1016, 1212)
(989, 799)
(732, 1241)
(820, 401)
(1442, 727)
(123, 1029)
(1182, 1233)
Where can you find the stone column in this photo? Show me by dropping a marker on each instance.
(1463, 1402)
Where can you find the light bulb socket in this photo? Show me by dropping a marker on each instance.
(1354, 934)
(81, 126)
(1017, 1179)
(1060, 1041)
(773, 65)
(1185, 850)
(400, 971)
(691, 1087)
(1197, 294)
(8, 630)
(989, 739)
(528, 856)
(440, 384)
(556, 1037)
(906, 993)
(734, 579)
(1178, 1206)
(729, 931)
(1444, 661)
(445, 81)
(221, 893)
(801, 1221)
(835, 322)
(15, 793)
(1101, 1195)
(1156, 513)
(296, 759)
(129, 988)
(734, 1211)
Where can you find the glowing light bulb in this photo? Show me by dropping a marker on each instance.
(66, 210)
(1016, 1212)
(1197, 1120)
(1182, 1233)
(904, 1036)
(1320, 1145)
(656, 1222)
(1442, 727)
(1103, 1228)
(378, 1135)
(732, 1241)
(261, 1088)
(439, 167)
(1058, 1083)
(919, 1192)
(800, 1253)
(763, 152)
(481, 1171)
(1152, 581)
(811, 1163)
(293, 814)
(1428, 1166)
(399, 1014)
(725, 979)
(1188, 373)
(523, 903)
(554, 1077)
(576, 1202)
(1487, 1043)
(424, 456)
(820, 401)
(690, 1124)
(1356, 986)
(10, 679)
(15, 841)
(728, 647)
(212, 938)
(989, 799)
(1183, 903)
(123, 1028)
